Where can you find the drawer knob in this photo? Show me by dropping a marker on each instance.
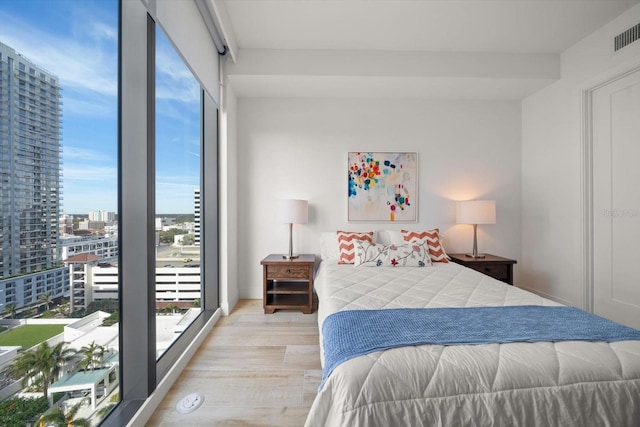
(288, 271)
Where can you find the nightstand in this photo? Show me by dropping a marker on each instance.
(497, 267)
(288, 284)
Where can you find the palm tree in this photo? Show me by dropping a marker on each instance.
(63, 308)
(11, 309)
(46, 299)
(170, 308)
(42, 364)
(93, 356)
(59, 418)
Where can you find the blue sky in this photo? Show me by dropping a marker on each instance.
(77, 41)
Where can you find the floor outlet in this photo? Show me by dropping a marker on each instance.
(189, 403)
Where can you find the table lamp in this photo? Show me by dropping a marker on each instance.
(476, 212)
(292, 211)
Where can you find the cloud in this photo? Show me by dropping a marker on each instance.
(103, 31)
(78, 63)
(90, 173)
(84, 154)
(174, 80)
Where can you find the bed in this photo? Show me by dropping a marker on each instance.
(520, 383)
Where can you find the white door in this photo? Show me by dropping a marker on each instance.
(616, 200)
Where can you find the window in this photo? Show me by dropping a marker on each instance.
(99, 127)
(72, 78)
(177, 183)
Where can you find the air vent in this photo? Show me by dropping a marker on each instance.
(627, 37)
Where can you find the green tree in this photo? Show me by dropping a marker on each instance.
(11, 309)
(188, 240)
(167, 236)
(43, 364)
(59, 418)
(171, 308)
(46, 299)
(18, 411)
(63, 308)
(93, 356)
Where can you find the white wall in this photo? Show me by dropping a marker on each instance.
(552, 165)
(229, 291)
(297, 148)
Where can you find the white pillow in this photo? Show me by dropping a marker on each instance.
(329, 249)
(395, 237)
(382, 237)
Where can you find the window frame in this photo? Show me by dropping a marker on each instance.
(140, 372)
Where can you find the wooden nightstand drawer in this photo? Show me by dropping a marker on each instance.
(287, 272)
(500, 272)
(497, 267)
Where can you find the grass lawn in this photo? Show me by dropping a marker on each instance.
(29, 335)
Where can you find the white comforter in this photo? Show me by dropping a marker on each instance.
(518, 384)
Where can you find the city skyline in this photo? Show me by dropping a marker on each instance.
(77, 41)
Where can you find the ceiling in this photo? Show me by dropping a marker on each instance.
(365, 32)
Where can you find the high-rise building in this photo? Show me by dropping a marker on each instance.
(30, 124)
(196, 215)
(66, 225)
(30, 119)
(103, 216)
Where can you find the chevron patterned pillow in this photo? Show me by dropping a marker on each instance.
(428, 239)
(346, 240)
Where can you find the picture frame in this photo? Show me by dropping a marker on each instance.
(382, 186)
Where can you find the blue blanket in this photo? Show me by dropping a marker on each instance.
(352, 333)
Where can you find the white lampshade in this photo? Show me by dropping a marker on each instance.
(476, 212)
(292, 211)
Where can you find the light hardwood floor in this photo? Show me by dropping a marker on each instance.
(254, 369)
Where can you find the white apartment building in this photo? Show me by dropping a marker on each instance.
(105, 247)
(179, 285)
(21, 291)
(103, 216)
(165, 223)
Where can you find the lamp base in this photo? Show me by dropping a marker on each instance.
(476, 255)
(290, 256)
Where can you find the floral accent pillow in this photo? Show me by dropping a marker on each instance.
(409, 255)
(369, 254)
(429, 240)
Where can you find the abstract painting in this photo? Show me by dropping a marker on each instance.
(383, 186)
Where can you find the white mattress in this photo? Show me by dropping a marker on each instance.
(563, 383)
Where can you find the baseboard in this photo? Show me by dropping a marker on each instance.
(547, 296)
